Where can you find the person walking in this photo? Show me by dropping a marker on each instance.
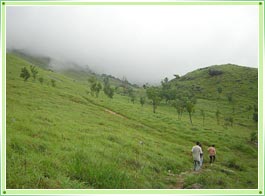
(201, 156)
(196, 151)
(212, 153)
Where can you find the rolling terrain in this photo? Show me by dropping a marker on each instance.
(61, 137)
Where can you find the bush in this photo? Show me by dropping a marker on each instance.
(213, 72)
(25, 74)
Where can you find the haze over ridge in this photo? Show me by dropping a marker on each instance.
(143, 43)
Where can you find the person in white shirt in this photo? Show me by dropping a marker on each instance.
(196, 152)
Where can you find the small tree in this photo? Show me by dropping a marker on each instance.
(154, 93)
(190, 109)
(142, 101)
(107, 89)
(203, 116)
(53, 82)
(229, 120)
(41, 80)
(230, 97)
(217, 115)
(34, 71)
(219, 90)
(25, 73)
(180, 106)
(249, 108)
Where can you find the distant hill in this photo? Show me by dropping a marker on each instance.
(241, 82)
(79, 73)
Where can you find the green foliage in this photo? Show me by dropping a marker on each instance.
(255, 117)
(179, 105)
(64, 144)
(154, 94)
(190, 108)
(25, 73)
(142, 101)
(230, 97)
(229, 120)
(107, 89)
(217, 115)
(203, 116)
(95, 86)
(254, 136)
(41, 80)
(34, 71)
(53, 82)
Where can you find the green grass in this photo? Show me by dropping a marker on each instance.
(61, 137)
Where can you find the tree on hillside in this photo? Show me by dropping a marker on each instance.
(25, 74)
(190, 108)
(168, 93)
(34, 71)
(230, 97)
(203, 116)
(95, 86)
(41, 80)
(219, 90)
(142, 101)
(53, 82)
(107, 89)
(179, 105)
(248, 109)
(154, 94)
(255, 113)
(217, 115)
(229, 120)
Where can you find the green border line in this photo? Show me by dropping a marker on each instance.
(3, 147)
(261, 134)
(130, 3)
(131, 191)
(134, 191)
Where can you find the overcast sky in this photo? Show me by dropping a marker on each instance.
(142, 43)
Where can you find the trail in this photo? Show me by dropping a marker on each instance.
(181, 178)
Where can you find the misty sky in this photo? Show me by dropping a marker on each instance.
(142, 43)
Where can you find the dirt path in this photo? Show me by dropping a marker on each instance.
(114, 113)
(181, 178)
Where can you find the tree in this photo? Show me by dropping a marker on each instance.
(142, 101)
(190, 108)
(203, 116)
(230, 97)
(34, 71)
(217, 115)
(154, 93)
(53, 82)
(180, 106)
(41, 80)
(229, 120)
(107, 89)
(219, 90)
(95, 86)
(249, 108)
(25, 73)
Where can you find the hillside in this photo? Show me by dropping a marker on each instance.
(61, 137)
(241, 82)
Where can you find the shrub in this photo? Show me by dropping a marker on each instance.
(25, 74)
(214, 72)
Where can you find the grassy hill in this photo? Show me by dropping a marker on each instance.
(61, 137)
(239, 81)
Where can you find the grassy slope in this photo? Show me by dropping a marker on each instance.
(60, 137)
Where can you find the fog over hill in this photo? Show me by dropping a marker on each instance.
(143, 43)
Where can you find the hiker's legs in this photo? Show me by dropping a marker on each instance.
(196, 165)
(201, 161)
(211, 159)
